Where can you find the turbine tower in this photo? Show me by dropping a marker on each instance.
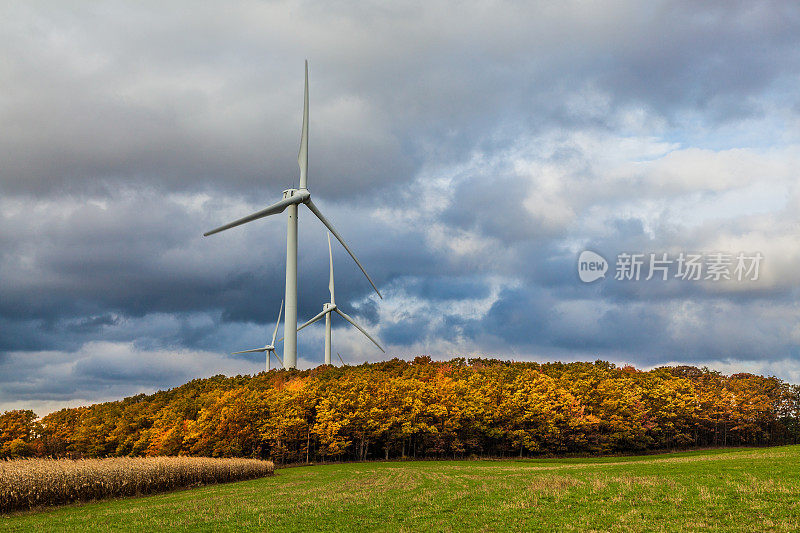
(269, 348)
(292, 198)
(329, 308)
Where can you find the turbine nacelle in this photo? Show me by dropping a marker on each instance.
(302, 194)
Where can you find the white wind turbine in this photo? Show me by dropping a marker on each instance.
(331, 307)
(291, 199)
(269, 348)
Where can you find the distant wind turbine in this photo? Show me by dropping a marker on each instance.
(269, 348)
(291, 199)
(331, 307)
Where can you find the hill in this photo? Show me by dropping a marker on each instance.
(423, 408)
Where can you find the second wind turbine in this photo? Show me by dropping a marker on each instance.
(328, 309)
(291, 199)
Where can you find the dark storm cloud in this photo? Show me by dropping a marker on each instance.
(187, 98)
(447, 288)
(711, 57)
(98, 269)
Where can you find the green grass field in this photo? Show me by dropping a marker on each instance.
(719, 490)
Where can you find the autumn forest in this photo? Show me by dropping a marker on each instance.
(423, 409)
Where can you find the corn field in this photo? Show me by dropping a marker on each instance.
(28, 483)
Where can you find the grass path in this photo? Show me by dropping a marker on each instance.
(719, 490)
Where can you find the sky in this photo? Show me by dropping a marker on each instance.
(468, 153)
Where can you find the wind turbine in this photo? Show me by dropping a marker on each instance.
(269, 348)
(291, 199)
(328, 309)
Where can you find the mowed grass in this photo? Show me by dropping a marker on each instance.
(719, 490)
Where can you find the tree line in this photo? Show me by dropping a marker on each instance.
(423, 408)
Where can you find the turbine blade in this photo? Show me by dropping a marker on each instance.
(254, 350)
(276, 325)
(273, 352)
(343, 315)
(340, 357)
(330, 283)
(302, 157)
(274, 209)
(322, 314)
(328, 225)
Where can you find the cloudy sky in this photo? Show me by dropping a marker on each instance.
(467, 152)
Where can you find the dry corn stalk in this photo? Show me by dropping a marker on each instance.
(27, 483)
